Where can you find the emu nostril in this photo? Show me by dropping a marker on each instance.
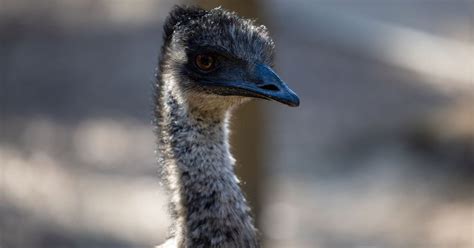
(270, 87)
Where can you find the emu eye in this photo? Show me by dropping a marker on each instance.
(205, 62)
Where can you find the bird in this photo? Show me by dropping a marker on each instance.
(211, 62)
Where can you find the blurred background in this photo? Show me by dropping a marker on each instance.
(379, 154)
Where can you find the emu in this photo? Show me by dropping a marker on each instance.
(211, 61)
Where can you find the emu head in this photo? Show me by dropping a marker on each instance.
(219, 59)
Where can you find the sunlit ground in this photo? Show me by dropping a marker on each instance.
(88, 178)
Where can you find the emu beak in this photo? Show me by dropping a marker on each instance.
(270, 86)
(263, 83)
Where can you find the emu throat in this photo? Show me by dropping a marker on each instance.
(206, 201)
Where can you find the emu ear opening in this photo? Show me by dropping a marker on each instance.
(180, 15)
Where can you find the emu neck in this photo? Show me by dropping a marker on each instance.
(206, 201)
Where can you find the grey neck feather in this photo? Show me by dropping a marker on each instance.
(198, 169)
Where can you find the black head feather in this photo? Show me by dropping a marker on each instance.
(195, 28)
(180, 15)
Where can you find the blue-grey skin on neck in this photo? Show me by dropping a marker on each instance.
(192, 117)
